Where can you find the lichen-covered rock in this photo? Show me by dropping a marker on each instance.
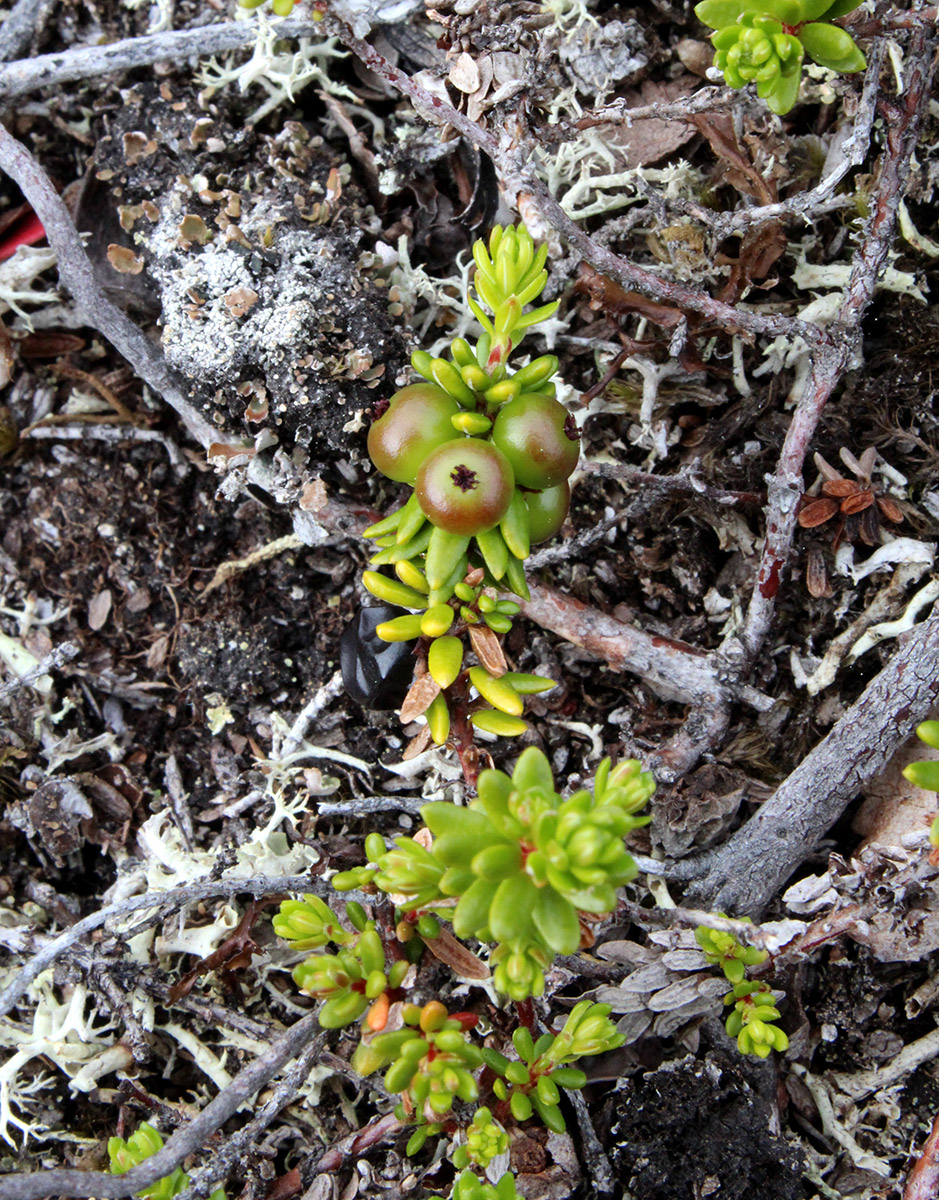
(257, 250)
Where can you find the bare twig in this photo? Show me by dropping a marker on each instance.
(226, 1158)
(674, 670)
(106, 987)
(706, 99)
(805, 206)
(513, 163)
(599, 1170)
(54, 659)
(186, 1141)
(257, 885)
(310, 711)
(922, 1183)
(105, 433)
(22, 21)
(91, 62)
(691, 918)
(77, 274)
(830, 360)
(366, 806)
(683, 483)
(863, 1084)
(747, 870)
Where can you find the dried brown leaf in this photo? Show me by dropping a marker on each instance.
(856, 504)
(455, 955)
(50, 343)
(421, 694)
(817, 512)
(156, 655)
(816, 576)
(889, 509)
(840, 488)
(417, 745)
(98, 609)
(488, 649)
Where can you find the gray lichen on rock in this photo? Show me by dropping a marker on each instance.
(259, 256)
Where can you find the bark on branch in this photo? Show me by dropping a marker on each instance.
(192, 1137)
(744, 874)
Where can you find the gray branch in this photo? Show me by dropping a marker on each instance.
(91, 62)
(259, 885)
(228, 1157)
(191, 1138)
(77, 274)
(22, 21)
(744, 874)
(55, 659)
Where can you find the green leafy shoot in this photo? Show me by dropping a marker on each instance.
(125, 1155)
(725, 951)
(530, 1083)
(926, 775)
(765, 42)
(754, 1012)
(752, 1019)
(519, 864)
(355, 981)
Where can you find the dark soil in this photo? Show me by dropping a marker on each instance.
(181, 694)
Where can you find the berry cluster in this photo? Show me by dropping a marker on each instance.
(488, 452)
(765, 42)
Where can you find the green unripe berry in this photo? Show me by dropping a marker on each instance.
(418, 420)
(547, 511)
(465, 487)
(539, 438)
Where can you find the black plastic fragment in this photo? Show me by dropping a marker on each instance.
(375, 674)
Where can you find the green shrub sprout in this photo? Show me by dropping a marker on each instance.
(926, 775)
(519, 863)
(125, 1155)
(752, 1020)
(765, 42)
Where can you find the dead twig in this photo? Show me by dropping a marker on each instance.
(52, 662)
(77, 275)
(226, 1158)
(674, 670)
(91, 62)
(108, 432)
(830, 360)
(691, 918)
(808, 205)
(747, 870)
(683, 483)
(188, 1140)
(706, 99)
(257, 885)
(922, 1183)
(23, 20)
(512, 159)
